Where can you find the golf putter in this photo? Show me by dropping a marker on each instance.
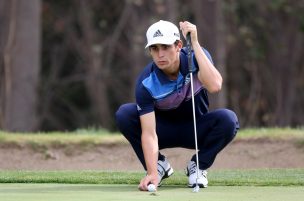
(188, 39)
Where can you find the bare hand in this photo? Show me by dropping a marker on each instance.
(149, 179)
(187, 27)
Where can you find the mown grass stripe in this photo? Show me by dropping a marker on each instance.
(264, 177)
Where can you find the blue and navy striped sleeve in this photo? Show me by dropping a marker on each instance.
(144, 100)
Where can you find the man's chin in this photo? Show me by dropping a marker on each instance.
(162, 65)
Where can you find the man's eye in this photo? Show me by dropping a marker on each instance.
(153, 48)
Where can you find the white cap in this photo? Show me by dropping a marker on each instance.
(162, 32)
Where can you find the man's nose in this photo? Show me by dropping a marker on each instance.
(161, 53)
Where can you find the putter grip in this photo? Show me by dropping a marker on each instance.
(189, 54)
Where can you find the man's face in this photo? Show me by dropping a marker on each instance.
(165, 56)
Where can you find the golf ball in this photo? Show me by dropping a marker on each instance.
(151, 188)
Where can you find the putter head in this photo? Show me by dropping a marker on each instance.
(196, 189)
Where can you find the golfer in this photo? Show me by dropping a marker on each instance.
(162, 115)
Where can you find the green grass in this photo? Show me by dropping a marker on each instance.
(274, 133)
(80, 192)
(224, 185)
(227, 185)
(264, 177)
(94, 137)
(79, 137)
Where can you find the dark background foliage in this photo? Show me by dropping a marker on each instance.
(92, 51)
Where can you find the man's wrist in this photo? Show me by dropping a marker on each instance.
(152, 173)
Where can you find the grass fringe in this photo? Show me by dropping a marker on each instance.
(263, 177)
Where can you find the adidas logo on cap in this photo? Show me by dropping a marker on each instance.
(157, 34)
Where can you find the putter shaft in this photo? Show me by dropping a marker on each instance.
(188, 38)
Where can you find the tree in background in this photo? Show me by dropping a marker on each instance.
(265, 44)
(19, 64)
(210, 21)
(93, 54)
(84, 51)
(93, 50)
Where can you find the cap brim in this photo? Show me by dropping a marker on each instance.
(164, 41)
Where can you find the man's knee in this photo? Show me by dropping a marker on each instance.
(229, 122)
(125, 115)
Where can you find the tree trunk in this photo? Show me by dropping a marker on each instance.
(209, 20)
(284, 56)
(21, 37)
(96, 72)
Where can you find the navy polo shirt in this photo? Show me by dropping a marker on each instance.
(171, 99)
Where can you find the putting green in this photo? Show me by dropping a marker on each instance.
(91, 192)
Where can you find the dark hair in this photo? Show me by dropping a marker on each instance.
(176, 42)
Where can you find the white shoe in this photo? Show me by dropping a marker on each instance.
(202, 180)
(164, 170)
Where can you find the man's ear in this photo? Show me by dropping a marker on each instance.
(180, 45)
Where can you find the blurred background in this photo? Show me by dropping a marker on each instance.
(69, 64)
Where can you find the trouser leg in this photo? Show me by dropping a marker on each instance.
(128, 122)
(216, 129)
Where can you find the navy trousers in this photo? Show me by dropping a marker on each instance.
(214, 131)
